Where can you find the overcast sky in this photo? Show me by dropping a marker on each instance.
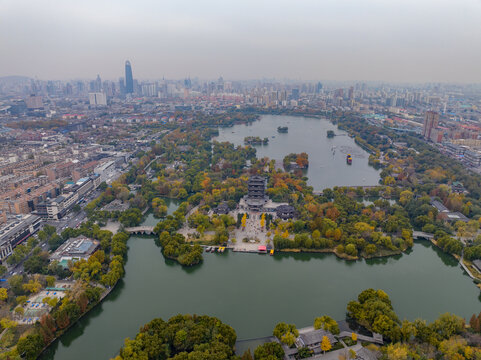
(389, 40)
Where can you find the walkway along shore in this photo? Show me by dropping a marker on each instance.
(102, 297)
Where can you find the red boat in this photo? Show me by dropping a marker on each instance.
(349, 159)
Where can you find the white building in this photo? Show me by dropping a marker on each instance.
(16, 231)
(98, 99)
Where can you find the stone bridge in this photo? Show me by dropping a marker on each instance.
(422, 235)
(140, 230)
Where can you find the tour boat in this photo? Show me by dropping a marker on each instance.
(271, 252)
(349, 159)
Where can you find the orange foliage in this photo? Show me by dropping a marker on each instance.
(332, 213)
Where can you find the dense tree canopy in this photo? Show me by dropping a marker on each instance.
(183, 337)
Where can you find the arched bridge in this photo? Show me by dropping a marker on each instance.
(140, 230)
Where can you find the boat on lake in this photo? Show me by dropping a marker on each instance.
(349, 159)
(282, 129)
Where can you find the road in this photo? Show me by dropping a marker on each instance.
(71, 220)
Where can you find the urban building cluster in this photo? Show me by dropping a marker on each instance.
(59, 140)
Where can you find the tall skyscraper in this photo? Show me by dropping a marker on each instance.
(295, 94)
(129, 80)
(98, 84)
(351, 93)
(430, 122)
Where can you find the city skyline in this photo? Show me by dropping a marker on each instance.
(374, 41)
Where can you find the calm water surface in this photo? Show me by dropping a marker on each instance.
(151, 220)
(253, 292)
(327, 168)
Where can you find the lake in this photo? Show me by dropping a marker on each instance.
(327, 165)
(253, 292)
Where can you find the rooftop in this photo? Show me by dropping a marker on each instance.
(79, 247)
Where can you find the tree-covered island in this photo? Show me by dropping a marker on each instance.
(372, 330)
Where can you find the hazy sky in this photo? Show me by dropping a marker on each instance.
(391, 40)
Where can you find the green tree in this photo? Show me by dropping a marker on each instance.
(269, 351)
(30, 346)
(374, 310)
(19, 310)
(7, 323)
(327, 323)
(16, 282)
(304, 352)
(21, 299)
(50, 280)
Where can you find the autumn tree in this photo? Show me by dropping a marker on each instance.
(475, 322)
(3, 294)
(325, 344)
(263, 220)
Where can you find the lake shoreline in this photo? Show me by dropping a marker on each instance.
(339, 255)
(64, 331)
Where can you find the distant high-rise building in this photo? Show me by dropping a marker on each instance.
(339, 93)
(351, 93)
(295, 94)
(80, 87)
(98, 99)
(430, 122)
(129, 80)
(318, 87)
(34, 102)
(149, 90)
(98, 84)
(122, 86)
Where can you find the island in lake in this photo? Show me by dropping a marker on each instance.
(255, 140)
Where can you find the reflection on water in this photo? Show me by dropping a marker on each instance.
(253, 292)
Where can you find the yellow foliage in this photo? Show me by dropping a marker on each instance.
(325, 344)
(3, 294)
(7, 323)
(397, 352)
(32, 286)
